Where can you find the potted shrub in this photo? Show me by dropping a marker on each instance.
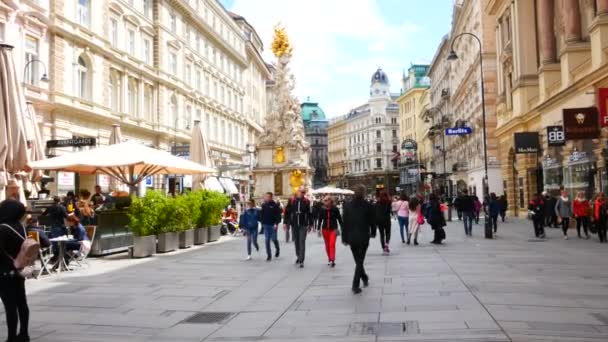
(168, 226)
(143, 222)
(184, 221)
(200, 229)
(211, 209)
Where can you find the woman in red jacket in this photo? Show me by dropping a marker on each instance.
(582, 208)
(599, 217)
(329, 218)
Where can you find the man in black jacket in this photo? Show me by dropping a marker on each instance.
(467, 207)
(359, 226)
(298, 216)
(270, 217)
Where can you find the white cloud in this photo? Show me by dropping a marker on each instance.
(338, 44)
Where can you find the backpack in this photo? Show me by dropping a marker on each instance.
(27, 254)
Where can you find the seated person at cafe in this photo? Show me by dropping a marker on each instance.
(57, 214)
(33, 226)
(98, 197)
(79, 237)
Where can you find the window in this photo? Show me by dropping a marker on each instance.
(114, 32)
(1, 32)
(131, 43)
(82, 12)
(186, 122)
(188, 35)
(394, 133)
(394, 148)
(172, 117)
(148, 104)
(187, 74)
(173, 22)
(230, 134)
(147, 50)
(215, 129)
(379, 148)
(378, 163)
(198, 43)
(394, 121)
(148, 8)
(31, 54)
(199, 81)
(82, 78)
(215, 91)
(378, 134)
(207, 82)
(114, 91)
(132, 96)
(378, 120)
(173, 63)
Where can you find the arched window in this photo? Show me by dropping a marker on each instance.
(172, 111)
(148, 104)
(114, 91)
(82, 78)
(132, 96)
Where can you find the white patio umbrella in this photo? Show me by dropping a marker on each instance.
(327, 190)
(199, 152)
(128, 162)
(14, 157)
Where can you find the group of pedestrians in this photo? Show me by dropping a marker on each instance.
(590, 215)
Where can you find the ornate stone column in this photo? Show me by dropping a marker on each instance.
(546, 31)
(572, 20)
(602, 7)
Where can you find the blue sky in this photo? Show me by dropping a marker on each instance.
(339, 44)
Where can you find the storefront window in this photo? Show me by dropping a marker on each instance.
(553, 178)
(579, 177)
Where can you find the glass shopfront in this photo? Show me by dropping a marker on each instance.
(579, 176)
(553, 175)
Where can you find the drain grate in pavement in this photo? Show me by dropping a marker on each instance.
(383, 328)
(209, 317)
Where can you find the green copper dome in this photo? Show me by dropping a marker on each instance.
(312, 111)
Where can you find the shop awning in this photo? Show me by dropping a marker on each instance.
(229, 186)
(213, 184)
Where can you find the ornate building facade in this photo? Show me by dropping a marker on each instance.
(552, 79)
(315, 127)
(337, 141)
(152, 66)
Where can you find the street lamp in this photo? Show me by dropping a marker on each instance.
(44, 77)
(250, 148)
(453, 56)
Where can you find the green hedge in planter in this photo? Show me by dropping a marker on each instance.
(144, 213)
(212, 204)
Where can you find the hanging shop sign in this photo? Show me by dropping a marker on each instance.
(581, 123)
(556, 136)
(76, 142)
(181, 150)
(602, 103)
(526, 142)
(458, 130)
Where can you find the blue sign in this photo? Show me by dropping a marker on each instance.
(458, 131)
(150, 181)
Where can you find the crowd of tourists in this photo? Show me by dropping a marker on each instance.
(589, 215)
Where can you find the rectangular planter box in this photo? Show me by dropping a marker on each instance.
(144, 246)
(200, 235)
(186, 238)
(214, 233)
(167, 242)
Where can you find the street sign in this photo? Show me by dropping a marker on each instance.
(458, 130)
(76, 142)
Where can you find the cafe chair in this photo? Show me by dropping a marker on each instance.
(44, 255)
(80, 256)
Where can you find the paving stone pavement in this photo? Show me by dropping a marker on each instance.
(513, 288)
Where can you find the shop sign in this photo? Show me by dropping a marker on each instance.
(149, 181)
(76, 142)
(526, 142)
(555, 136)
(181, 150)
(602, 102)
(581, 123)
(409, 144)
(458, 130)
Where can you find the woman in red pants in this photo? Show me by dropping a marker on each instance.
(329, 217)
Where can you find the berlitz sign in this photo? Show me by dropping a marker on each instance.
(458, 131)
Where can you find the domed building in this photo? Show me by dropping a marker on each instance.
(370, 135)
(315, 127)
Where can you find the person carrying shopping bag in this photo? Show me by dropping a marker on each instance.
(248, 222)
(563, 210)
(416, 219)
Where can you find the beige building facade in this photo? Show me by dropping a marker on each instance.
(152, 66)
(552, 64)
(337, 142)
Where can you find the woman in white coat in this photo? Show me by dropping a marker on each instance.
(415, 218)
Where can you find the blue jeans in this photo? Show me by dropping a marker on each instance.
(252, 237)
(403, 225)
(271, 235)
(467, 218)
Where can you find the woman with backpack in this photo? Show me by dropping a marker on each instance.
(249, 222)
(327, 224)
(12, 284)
(536, 212)
(581, 209)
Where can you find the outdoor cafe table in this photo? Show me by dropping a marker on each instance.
(61, 241)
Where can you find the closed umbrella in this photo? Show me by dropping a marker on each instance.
(199, 152)
(115, 138)
(36, 147)
(14, 157)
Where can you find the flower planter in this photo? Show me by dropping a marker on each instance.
(167, 242)
(214, 233)
(200, 235)
(186, 238)
(144, 246)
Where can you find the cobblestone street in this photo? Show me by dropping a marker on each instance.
(471, 289)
